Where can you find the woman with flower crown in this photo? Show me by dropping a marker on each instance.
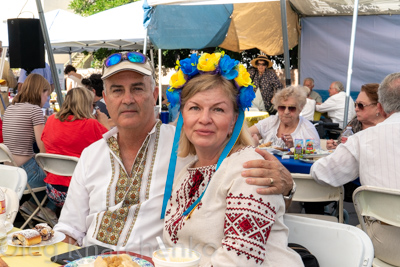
(209, 207)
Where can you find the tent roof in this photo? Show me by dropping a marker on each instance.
(310, 7)
(345, 7)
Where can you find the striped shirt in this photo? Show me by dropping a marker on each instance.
(18, 123)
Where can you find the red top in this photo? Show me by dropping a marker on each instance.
(69, 138)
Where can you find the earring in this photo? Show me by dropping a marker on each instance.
(377, 114)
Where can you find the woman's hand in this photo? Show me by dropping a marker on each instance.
(268, 172)
(103, 119)
(331, 144)
(287, 138)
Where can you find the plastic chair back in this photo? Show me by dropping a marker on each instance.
(57, 164)
(12, 204)
(380, 203)
(5, 155)
(14, 178)
(308, 190)
(333, 244)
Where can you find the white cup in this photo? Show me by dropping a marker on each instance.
(85, 262)
(180, 257)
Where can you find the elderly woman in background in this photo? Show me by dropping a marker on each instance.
(265, 80)
(207, 192)
(22, 126)
(288, 125)
(309, 108)
(68, 132)
(367, 112)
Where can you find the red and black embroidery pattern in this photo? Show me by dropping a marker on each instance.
(190, 190)
(248, 222)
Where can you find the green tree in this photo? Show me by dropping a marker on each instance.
(90, 7)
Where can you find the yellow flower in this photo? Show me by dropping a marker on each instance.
(208, 62)
(243, 78)
(177, 79)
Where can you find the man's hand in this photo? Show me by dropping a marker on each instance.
(331, 144)
(263, 172)
(70, 240)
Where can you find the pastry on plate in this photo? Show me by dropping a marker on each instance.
(26, 238)
(45, 231)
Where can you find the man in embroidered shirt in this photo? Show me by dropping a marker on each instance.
(334, 105)
(372, 155)
(117, 189)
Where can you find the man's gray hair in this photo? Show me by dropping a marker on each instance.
(339, 86)
(389, 93)
(309, 79)
(152, 84)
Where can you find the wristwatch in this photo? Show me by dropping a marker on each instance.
(291, 193)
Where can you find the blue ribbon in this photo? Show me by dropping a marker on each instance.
(171, 170)
(172, 165)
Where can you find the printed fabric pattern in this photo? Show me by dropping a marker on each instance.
(268, 83)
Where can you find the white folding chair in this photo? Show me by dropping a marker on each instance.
(333, 244)
(6, 157)
(57, 164)
(379, 203)
(14, 178)
(308, 190)
(12, 203)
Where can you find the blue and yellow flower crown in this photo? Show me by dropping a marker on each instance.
(216, 63)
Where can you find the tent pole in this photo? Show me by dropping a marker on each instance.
(285, 42)
(49, 52)
(350, 67)
(145, 43)
(160, 91)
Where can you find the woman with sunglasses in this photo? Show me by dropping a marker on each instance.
(367, 112)
(68, 132)
(265, 80)
(282, 129)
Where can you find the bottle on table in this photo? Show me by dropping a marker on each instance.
(346, 134)
(3, 231)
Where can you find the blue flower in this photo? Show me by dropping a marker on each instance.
(189, 65)
(228, 67)
(246, 96)
(174, 96)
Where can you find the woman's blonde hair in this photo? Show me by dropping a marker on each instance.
(78, 103)
(295, 91)
(32, 89)
(203, 83)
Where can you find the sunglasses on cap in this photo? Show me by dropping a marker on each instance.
(283, 108)
(134, 57)
(361, 106)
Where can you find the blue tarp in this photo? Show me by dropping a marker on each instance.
(165, 28)
(325, 46)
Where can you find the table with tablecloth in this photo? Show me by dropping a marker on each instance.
(46, 253)
(295, 165)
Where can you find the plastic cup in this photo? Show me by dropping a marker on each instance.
(85, 263)
(180, 257)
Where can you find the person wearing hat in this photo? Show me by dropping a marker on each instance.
(265, 80)
(117, 190)
(7, 79)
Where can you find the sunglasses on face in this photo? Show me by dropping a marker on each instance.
(134, 57)
(283, 108)
(361, 106)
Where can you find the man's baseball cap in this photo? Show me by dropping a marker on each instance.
(133, 61)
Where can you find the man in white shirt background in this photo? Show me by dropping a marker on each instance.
(373, 155)
(334, 105)
(309, 82)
